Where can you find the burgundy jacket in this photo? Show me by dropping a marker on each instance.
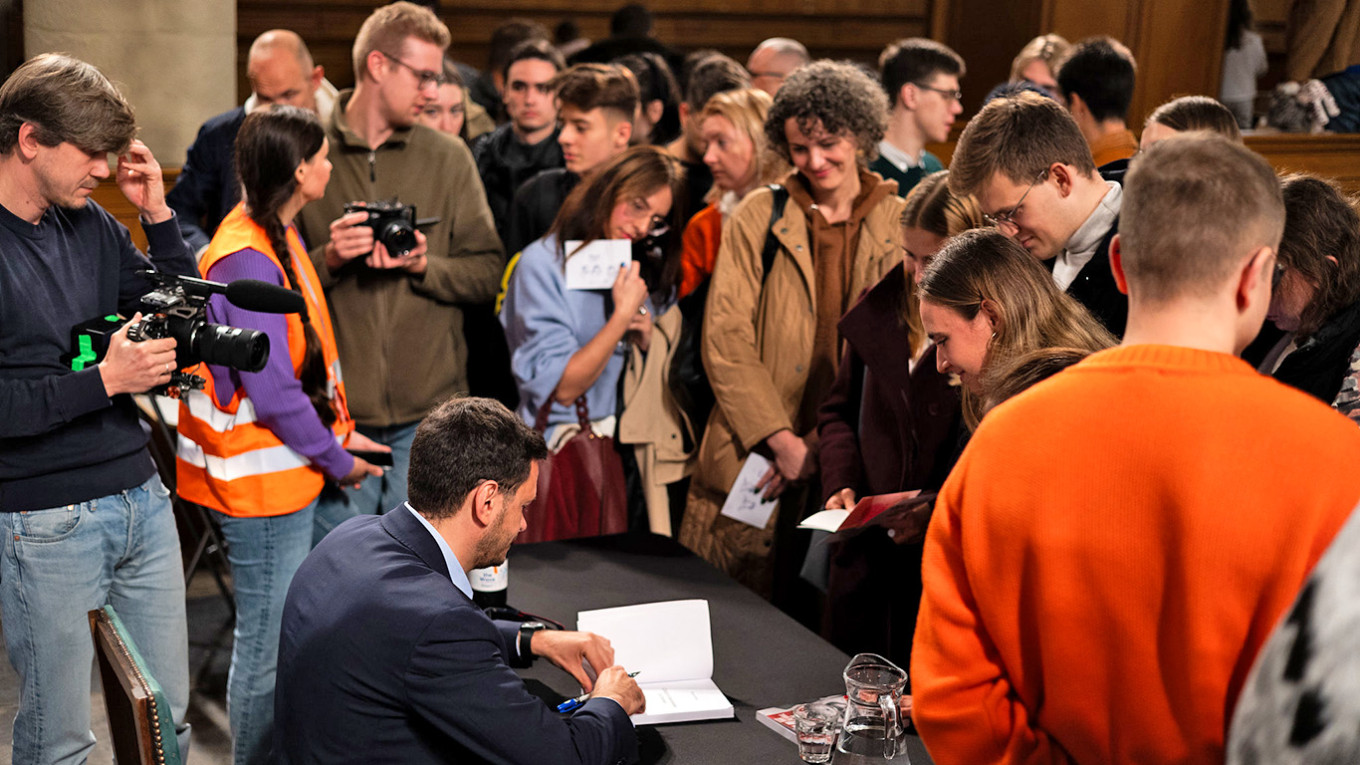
(884, 428)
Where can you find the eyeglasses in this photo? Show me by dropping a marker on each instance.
(657, 226)
(425, 77)
(953, 95)
(1007, 217)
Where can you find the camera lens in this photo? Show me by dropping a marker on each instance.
(398, 237)
(243, 349)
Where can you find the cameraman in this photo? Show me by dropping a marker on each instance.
(85, 518)
(397, 318)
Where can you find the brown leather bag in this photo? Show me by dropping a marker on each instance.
(581, 489)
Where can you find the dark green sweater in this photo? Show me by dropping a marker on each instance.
(908, 180)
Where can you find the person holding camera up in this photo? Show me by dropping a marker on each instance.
(85, 517)
(397, 317)
(257, 448)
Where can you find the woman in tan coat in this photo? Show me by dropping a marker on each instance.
(771, 345)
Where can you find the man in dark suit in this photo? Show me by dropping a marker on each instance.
(385, 658)
(1025, 160)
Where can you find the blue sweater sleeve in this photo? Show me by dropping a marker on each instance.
(280, 403)
(538, 324)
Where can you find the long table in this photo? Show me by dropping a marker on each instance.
(762, 658)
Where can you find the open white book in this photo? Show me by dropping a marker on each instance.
(670, 646)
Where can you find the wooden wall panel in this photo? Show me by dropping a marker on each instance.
(855, 29)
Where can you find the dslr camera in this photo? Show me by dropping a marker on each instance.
(177, 307)
(393, 224)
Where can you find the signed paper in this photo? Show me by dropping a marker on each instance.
(743, 502)
(596, 266)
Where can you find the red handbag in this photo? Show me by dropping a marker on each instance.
(581, 489)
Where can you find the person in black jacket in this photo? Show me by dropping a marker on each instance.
(1024, 159)
(1316, 300)
(527, 144)
(596, 104)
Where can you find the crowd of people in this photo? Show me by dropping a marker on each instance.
(1111, 372)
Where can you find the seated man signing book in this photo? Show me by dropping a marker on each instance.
(385, 658)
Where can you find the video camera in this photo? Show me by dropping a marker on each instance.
(177, 308)
(393, 223)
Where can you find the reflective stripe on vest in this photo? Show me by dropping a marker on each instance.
(228, 461)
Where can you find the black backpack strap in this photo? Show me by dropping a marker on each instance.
(781, 198)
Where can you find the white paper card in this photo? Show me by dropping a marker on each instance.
(596, 266)
(825, 520)
(744, 503)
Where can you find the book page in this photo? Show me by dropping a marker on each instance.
(681, 701)
(664, 642)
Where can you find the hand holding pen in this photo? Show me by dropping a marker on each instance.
(612, 683)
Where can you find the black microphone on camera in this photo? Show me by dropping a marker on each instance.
(250, 294)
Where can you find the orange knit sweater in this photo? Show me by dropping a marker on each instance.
(699, 248)
(1111, 551)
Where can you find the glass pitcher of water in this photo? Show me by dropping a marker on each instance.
(872, 728)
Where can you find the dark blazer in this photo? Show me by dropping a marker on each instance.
(383, 660)
(206, 189)
(535, 206)
(1094, 288)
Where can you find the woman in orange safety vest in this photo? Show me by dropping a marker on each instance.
(257, 448)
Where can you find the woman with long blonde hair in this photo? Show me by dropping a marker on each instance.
(986, 300)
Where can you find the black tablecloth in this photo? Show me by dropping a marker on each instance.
(762, 658)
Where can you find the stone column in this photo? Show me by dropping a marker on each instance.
(174, 60)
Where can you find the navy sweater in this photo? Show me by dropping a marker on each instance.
(62, 440)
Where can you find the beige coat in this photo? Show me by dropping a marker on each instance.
(652, 423)
(758, 342)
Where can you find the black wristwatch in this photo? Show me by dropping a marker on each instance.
(526, 636)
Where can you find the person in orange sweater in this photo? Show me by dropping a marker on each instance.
(1117, 542)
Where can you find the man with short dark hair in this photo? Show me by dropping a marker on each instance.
(712, 75)
(1096, 79)
(85, 518)
(398, 316)
(773, 60)
(281, 71)
(488, 87)
(1100, 595)
(527, 144)
(1025, 161)
(596, 104)
(385, 656)
(921, 78)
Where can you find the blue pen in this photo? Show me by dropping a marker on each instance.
(571, 705)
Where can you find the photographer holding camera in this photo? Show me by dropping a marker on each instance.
(257, 447)
(397, 316)
(85, 518)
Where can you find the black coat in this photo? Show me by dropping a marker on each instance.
(535, 206)
(504, 162)
(1319, 365)
(1095, 288)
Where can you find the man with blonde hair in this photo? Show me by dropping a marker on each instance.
(1099, 595)
(1024, 159)
(397, 317)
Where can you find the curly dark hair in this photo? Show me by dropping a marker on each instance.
(840, 95)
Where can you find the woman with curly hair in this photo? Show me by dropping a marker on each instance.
(783, 279)
(1316, 299)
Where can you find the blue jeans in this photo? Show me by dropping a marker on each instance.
(60, 563)
(264, 554)
(376, 496)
